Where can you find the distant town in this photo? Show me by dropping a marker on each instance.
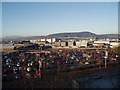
(42, 44)
(26, 61)
(62, 40)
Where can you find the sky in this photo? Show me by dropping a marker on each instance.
(43, 18)
(0, 21)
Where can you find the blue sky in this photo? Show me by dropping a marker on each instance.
(0, 20)
(42, 18)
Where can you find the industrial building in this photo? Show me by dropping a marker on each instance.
(111, 43)
(6, 48)
(82, 43)
(114, 43)
(58, 44)
(106, 42)
(40, 42)
(50, 40)
(71, 43)
(64, 44)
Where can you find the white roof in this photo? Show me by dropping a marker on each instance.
(6, 46)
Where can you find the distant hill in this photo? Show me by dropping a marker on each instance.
(108, 36)
(58, 35)
(74, 34)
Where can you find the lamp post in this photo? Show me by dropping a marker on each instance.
(40, 63)
(106, 56)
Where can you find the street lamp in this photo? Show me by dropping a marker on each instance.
(106, 56)
(40, 64)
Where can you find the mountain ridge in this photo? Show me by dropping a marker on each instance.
(65, 34)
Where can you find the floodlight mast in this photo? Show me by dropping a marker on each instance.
(40, 63)
(106, 56)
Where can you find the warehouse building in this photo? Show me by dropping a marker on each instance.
(57, 44)
(115, 43)
(81, 43)
(6, 48)
(64, 44)
(71, 43)
(106, 42)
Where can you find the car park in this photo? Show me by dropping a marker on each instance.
(53, 61)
